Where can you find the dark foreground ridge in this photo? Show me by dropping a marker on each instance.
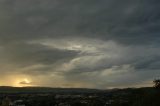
(43, 96)
(9, 89)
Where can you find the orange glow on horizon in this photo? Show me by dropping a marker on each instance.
(20, 81)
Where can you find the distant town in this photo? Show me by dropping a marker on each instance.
(39, 96)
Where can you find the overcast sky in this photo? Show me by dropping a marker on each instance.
(79, 43)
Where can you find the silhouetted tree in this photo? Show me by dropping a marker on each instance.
(156, 83)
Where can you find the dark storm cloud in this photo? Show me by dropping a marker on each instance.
(28, 54)
(125, 21)
(130, 26)
(149, 63)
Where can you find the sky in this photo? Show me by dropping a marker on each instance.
(79, 43)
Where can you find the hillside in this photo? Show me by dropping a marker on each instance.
(8, 89)
(43, 96)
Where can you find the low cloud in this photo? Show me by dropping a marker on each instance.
(24, 83)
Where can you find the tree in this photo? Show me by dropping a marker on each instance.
(156, 83)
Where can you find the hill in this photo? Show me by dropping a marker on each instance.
(9, 89)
